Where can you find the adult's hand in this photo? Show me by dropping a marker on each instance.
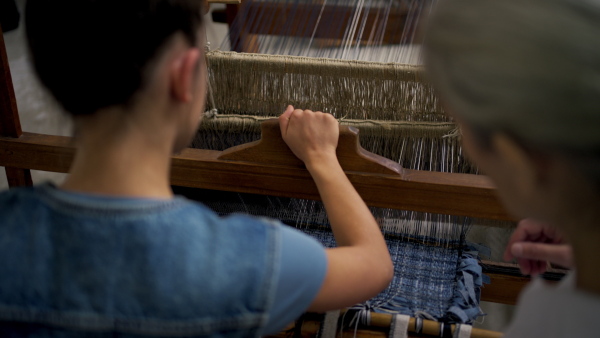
(535, 244)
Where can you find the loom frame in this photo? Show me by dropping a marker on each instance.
(243, 39)
(456, 194)
(446, 193)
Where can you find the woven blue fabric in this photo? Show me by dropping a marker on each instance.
(441, 283)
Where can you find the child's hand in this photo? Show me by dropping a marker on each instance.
(534, 245)
(312, 136)
(360, 267)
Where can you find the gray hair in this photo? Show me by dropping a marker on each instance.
(530, 68)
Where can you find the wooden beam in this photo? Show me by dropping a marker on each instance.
(443, 193)
(310, 324)
(18, 177)
(503, 288)
(10, 125)
(326, 23)
(239, 38)
(507, 282)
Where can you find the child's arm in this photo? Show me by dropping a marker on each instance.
(360, 267)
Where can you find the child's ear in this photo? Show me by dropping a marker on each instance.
(182, 74)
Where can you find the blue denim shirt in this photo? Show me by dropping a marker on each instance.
(109, 267)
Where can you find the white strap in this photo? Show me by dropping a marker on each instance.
(399, 326)
(462, 331)
(329, 327)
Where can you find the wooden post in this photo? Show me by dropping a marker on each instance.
(241, 41)
(10, 125)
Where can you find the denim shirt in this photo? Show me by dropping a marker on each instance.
(108, 267)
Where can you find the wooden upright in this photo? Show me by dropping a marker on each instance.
(10, 125)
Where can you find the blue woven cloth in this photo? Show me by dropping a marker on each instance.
(436, 282)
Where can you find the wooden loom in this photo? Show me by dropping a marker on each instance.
(307, 20)
(268, 167)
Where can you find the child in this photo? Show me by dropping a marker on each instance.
(111, 252)
(522, 78)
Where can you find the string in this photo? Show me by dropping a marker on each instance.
(213, 111)
(364, 28)
(312, 37)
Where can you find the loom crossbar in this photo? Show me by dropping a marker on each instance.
(435, 192)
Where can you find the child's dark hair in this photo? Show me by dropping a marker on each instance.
(92, 54)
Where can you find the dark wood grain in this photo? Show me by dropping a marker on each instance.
(10, 125)
(444, 193)
(271, 149)
(327, 23)
(507, 282)
(18, 177)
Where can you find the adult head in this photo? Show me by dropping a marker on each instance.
(523, 80)
(96, 55)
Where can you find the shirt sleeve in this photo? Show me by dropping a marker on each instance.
(303, 265)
